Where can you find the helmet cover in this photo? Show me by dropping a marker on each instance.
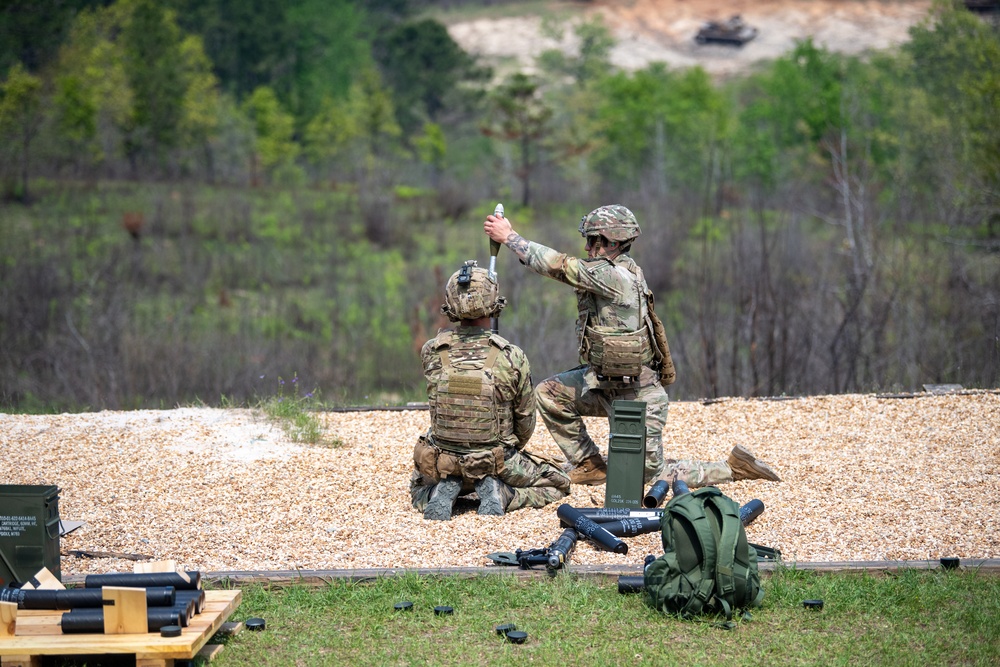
(472, 293)
(614, 222)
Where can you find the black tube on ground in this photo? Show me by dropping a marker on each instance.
(559, 550)
(130, 580)
(592, 531)
(630, 527)
(608, 514)
(679, 487)
(751, 511)
(657, 492)
(628, 583)
(92, 620)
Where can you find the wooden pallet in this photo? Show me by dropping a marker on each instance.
(37, 634)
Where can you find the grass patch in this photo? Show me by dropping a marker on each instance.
(294, 412)
(916, 617)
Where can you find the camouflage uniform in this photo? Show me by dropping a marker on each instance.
(611, 294)
(535, 481)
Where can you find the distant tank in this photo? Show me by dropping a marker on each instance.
(732, 31)
(982, 5)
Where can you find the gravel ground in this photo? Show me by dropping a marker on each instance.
(864, 478)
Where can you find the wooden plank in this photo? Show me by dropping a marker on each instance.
(231, 629)
(21, 661)
(8, 619)
(124, 610)
(161, 566)
(153, 662)
(46, 582)
(210, 651)
(219, 605)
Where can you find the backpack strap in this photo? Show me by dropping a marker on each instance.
(726, 561)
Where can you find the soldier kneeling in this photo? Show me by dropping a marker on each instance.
(482, 410)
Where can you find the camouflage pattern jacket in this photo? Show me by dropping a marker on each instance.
(611, 294)
(469, 347)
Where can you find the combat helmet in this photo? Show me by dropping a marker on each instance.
(614, 222)
(472, 293)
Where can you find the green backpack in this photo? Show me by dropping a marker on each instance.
(707, 564)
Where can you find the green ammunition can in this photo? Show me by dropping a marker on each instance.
(626, 455)
(29, 532)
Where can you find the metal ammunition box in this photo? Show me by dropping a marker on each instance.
(29, 532)
(626, 455)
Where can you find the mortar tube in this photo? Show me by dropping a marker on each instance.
(130, 580)
(78, 598)
(630, 527)
(591, 530)
(197, 596)
(609, 514)
(92, 620)
(657, 492)
(628, 583)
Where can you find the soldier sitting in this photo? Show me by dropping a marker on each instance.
(482, 410)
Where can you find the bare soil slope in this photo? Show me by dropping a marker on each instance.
(864, 478)
(663, 30)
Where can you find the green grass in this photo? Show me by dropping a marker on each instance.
(292, 410)
(916, 617)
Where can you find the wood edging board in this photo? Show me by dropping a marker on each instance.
(320, 577)
(42, 635)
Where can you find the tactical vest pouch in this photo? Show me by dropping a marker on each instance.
(616, 354)
(668, 374)
(435, 463)
(425, 459)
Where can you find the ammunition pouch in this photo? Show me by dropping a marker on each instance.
(435, 463)
(662, 358)
(616, 354)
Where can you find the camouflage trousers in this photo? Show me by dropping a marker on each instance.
(535, 483)
(564, 399)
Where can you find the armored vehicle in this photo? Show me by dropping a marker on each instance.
(732, 31)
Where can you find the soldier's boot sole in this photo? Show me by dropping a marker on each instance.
(747, 466)
(442, 499)
(493, 496)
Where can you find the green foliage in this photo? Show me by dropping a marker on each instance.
(20, 101)
(326, 48)
(956, 59)
(661, 119)
(94, 101)
(31, 31)
(274, 128)
(520, 115)
(593, 60)
(151, 49)
(424, 67)
(292, 410)
(431, 145)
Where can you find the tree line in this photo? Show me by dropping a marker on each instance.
(248, 184)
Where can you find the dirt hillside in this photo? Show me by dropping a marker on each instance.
(663, 30)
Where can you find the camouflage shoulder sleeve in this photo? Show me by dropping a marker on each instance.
(499, 341)
(551, 263)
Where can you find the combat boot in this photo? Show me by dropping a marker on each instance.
(443, 499)
(747, 466)
(494, 496)
(593, 470)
